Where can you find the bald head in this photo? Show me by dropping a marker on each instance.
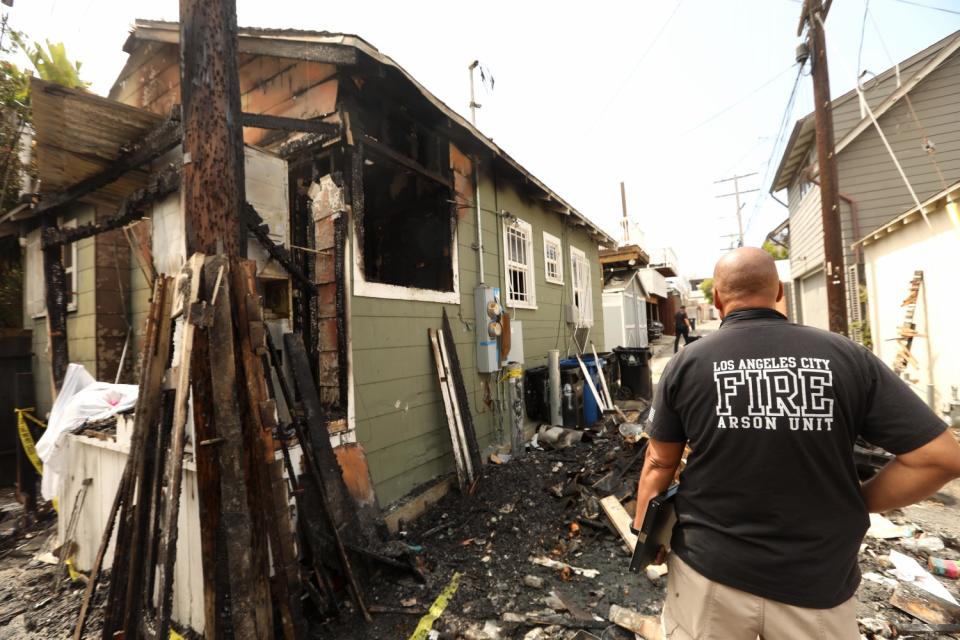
(746, 278)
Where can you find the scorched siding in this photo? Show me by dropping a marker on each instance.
(399, 413)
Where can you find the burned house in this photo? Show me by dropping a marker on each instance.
(374, 207)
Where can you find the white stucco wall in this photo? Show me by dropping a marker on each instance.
(890, 262)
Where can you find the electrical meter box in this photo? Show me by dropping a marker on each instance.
(488, 327)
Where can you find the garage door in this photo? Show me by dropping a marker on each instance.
(813, 303)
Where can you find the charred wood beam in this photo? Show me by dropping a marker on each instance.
(278, 252)
(157, 142)
(302, 144)
(281, 123)
(55, 278)
(385, 152)
(132, 208)
(337, 54)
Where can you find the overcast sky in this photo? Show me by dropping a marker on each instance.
(667, 96)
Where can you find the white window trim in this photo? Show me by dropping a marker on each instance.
(585, 314)
(365, 289)
(549, 239)
(70, 275)
(531, 301)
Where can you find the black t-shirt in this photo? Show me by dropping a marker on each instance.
(680, 318)
(769, 501)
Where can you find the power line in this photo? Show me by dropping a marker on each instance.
(929, 6)
(863, 31)
(642, 57)
(738, 102)
(784, 121)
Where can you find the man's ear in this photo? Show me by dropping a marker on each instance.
(717, 302)
(780, 292)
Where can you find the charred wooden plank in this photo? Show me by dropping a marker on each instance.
(322, 462)
(55, 277)
(143, 456)
(269, 501)
(133, 207)
(245, 596)
(281, 123)
(254, 223)
(189, 288)
(155, 355)
(473, 449)
(153, 145)
(387, 153)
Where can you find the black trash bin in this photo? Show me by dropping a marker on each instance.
(636, 378)
(610, 369)
(536, 391)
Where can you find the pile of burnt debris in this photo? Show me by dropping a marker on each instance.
(531, 552)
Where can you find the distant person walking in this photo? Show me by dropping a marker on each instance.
(683, 329)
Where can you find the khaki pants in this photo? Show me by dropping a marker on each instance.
(699, 609)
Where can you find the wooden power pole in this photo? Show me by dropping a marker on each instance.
(213, 176)
(736, 193)
(814, 15)
(213, 197)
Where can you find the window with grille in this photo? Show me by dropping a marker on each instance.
(582, 288)
(552, 258)
(518, 256)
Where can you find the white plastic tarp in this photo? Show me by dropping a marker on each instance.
(81, 398)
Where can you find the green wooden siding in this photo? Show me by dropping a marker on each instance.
(400, 417)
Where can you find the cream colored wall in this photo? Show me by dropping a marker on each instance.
(890, 263)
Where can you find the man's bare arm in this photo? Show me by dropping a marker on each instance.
(660, 465)
(914, 475)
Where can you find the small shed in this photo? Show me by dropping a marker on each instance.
(624, 310)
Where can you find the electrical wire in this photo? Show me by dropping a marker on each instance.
(929, 6)
(643, 56)
(739, 101)
(863, 31)
(784, 122)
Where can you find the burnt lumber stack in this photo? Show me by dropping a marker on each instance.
(207, 355)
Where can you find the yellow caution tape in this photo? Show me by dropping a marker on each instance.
(26, 438)
(436, 609)
(74, 574)
(175, 636)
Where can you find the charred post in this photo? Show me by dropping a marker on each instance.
(213, 173)
(57, 298)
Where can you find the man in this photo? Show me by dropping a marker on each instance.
(682, 326)
(770, 511)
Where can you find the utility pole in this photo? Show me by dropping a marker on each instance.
(736, 194)
(213, 175)
(625, 222)
(213, 195)
(814, 14)
(473, 103)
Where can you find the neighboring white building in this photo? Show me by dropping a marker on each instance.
(624, 310)
(892, 254)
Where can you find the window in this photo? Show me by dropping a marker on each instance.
(553, 258)
(582, 287)
(35, 281)
(518, 256)
(68, 254)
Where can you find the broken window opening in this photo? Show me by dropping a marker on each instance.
(407, 229)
